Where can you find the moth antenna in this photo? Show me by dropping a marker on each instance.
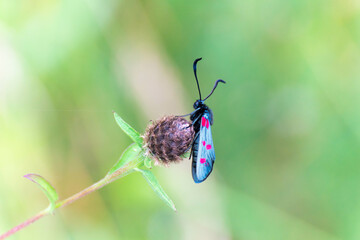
(216, 83)
(197, 81)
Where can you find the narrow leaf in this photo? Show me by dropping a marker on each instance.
(148, 162)
(46, 187)
(186, 155)
(132, 153)
(151, 179)
(130, 131)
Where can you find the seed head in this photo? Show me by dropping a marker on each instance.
(168, 139)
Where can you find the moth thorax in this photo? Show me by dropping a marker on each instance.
(169, 138)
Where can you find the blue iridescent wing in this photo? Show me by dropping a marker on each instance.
(203, 152)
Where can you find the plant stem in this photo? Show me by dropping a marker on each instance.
(96, 186)
(82, 193)
(24, 224)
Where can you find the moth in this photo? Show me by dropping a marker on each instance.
(202, 149)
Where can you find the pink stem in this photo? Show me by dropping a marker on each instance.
(24, 224)
(103, 182)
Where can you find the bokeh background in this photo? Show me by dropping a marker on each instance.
(286, 128)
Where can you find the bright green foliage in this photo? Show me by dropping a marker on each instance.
(286, 125)
(148, 162)
(151, 179)
(130, 131)
(132, 158)
(130, 154)
(46, 187)
(186, 155)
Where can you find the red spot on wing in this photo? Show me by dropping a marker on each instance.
(203, 143)
(208, 147)
(203, 121)
(202, 160)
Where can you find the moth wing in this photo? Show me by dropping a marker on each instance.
(204, 162)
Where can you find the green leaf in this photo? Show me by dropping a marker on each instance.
(130, 131)
(151, 179)
(148, 162)
(186, 155)
(46, 187)
(130, 154)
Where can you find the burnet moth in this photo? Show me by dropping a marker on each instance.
(202, 150)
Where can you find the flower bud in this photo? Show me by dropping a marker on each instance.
(168, 139)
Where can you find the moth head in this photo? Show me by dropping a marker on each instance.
(198, 104)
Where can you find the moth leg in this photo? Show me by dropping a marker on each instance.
(189, 113)
(187, 126)
(192, 124)
(192, 144)
(191, 153)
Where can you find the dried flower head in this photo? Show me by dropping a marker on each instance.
(168, 139)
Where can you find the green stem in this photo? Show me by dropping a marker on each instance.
(96, 186)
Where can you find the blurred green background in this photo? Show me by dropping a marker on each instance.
(286, 128)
